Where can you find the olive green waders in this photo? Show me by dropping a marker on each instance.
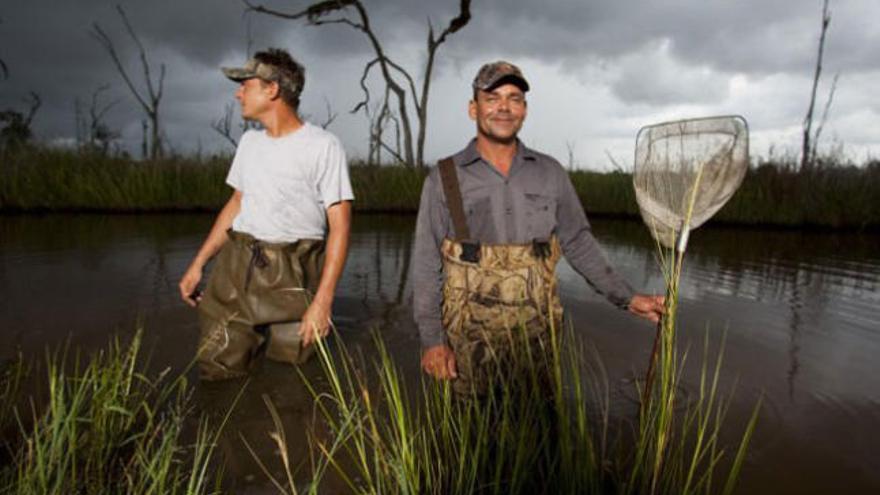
(499, 301)
(258, 291)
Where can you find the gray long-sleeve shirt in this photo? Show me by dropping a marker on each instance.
(534, 201)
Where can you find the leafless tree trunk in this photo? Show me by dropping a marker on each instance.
(223, 125)
(570, 146)
(4, 69)
(34, 102)
(806, 147)
(153, 97)
(330, 115)
(813, 152)
(317, 14)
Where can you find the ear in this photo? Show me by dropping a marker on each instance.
(472, 109)
(273, 90)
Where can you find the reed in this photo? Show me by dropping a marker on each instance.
(106, 427)
(834, 194)
(544, 428)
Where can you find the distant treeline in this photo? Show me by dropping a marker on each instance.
(832, 194)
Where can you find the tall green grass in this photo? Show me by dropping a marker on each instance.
(833, 194)
(104, 426)
(539, 430)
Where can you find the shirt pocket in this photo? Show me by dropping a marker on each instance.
(480, 219)
(540, 212)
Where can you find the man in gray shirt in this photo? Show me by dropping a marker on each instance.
(510, 195)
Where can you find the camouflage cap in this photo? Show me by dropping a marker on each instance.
(491, 75)
(268, 72)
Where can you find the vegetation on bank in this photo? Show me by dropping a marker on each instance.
(833, 194)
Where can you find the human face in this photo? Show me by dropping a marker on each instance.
(255, 97)
(499, 113)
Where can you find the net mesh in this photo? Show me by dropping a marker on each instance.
(686, 170)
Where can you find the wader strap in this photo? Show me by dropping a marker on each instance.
(258, 260)
(453, 199)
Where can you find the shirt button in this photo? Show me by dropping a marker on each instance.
(509, 211)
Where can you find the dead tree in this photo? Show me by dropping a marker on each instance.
(4, 69)
(806, 147)
(17, 129)
(397, 79)
(821, 126)
(330, 115)
(223, 125)
(149, 101)
(96, 134)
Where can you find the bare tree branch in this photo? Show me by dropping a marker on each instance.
(318, 13)
(808, 120)
(363, 83)
(3, 67)
(460, 21)
(331, 115)
(35, 102)
(223, 125)
(824, 119)
(153, 97)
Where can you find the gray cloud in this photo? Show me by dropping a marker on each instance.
(644, 59)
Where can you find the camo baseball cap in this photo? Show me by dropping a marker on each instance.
(493, 74)
(268, 72)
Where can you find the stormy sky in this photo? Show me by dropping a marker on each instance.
(599, 70)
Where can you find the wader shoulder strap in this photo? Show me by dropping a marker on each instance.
(452, 192)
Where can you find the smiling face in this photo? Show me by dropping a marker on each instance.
(499, 113)
(255, 97)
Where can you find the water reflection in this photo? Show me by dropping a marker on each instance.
(801, 311)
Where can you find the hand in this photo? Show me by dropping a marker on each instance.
(188, 284)
(650, 307)
(315, 323)
(439, 362)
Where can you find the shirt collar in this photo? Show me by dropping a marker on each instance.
(470, 155)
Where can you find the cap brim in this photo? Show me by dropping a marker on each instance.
(238, 74)
(510, 79)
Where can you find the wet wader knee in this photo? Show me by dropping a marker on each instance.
(285, 344)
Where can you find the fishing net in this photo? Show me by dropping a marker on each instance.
(685, 171)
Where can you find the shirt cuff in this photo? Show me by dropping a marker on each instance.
(432, 335)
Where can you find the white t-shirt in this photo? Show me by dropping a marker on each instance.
(288, 182)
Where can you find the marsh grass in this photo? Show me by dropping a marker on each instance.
(834, 194)
(106, 427)
(540, 430)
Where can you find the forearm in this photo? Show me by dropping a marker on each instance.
(217, 236)
(339, 220)
(582, 250)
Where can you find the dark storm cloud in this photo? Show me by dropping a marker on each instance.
(651, 52)
(748, 35)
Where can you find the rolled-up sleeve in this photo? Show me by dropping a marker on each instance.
(582, 250)
(431, 227)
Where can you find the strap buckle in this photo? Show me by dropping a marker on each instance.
(470, 251)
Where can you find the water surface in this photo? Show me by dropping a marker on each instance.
(800, 312)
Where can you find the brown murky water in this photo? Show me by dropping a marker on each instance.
(800, 311)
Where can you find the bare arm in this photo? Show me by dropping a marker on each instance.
(316, 320)
(215, 240)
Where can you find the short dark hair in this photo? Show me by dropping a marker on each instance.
(289, 69)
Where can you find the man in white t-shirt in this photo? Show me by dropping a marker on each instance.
(283, 233)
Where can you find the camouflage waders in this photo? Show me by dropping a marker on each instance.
(499, 301)
(257, 291)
